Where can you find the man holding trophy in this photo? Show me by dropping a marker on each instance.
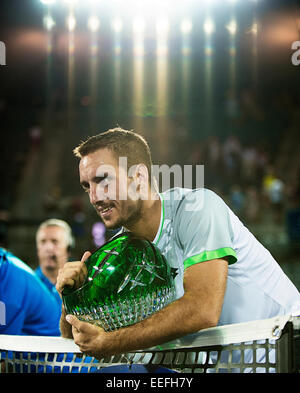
(220, 274)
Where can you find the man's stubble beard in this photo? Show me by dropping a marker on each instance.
(133, 215)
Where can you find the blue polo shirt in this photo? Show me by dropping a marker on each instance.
(51, 287)
(27, 308)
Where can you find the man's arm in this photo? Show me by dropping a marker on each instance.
(72, 274)
(199, 308)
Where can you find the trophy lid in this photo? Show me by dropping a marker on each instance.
(128, 280)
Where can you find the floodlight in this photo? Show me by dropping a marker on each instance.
(208, 26)
(93, 23)
(138, 25)
(49, 22)
(232, 27)
(186, 26)
(71, 23)
(162, 25)
(117, 25)
(48, 2)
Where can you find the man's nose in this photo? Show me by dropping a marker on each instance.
(49, 246)
(94, 194)
(99, 193)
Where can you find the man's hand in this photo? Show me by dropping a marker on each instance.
(72, 274)
(88, 337)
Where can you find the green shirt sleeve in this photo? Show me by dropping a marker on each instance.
(225, 252)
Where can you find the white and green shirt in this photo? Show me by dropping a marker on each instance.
(197, 226)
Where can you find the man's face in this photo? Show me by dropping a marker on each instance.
(52, 248)
(107, 184)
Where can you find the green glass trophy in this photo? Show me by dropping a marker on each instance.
(128, 280)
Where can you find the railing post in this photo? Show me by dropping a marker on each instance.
(285, 350)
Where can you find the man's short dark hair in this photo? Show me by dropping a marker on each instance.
(122, 143)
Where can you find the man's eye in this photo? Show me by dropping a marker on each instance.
(103, 179)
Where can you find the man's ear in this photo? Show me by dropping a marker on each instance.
(138, 173)
(142, 174)
(139, 177)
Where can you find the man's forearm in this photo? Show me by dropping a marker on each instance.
(176, 320)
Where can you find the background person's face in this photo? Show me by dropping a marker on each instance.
(52, 248)
(107, 184)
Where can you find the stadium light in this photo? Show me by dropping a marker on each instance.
(48, 2)
(93, 23)
(208, 26)
(138, 25)
(162, 26)
(49, 22)
(186, 26)
(232, 27)
(254, 28)
(71, 2)
(146, 4)
(71, 23)
(117, 25)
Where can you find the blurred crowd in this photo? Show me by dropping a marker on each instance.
(252, 183)
(243, 174)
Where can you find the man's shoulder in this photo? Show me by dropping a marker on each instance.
(38, 272)
(178, 194)
(190, 200)
(16, 263)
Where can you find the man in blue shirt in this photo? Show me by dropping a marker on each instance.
(54, 241)
(26, 306)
